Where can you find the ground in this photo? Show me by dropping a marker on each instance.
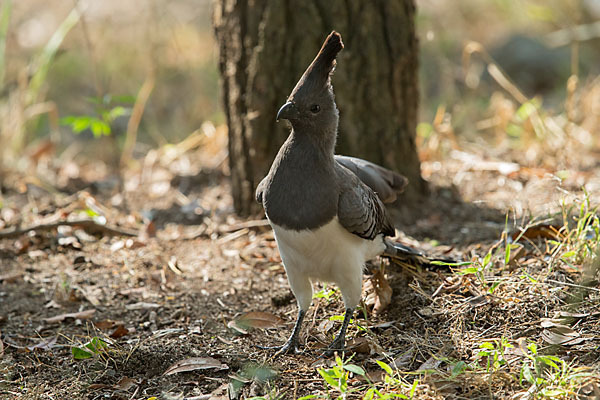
(178, 276)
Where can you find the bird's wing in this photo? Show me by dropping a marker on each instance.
(360, 211)
(259, 190)
(387, 184)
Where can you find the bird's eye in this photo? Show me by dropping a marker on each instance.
(315, 108)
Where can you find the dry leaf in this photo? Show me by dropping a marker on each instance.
(45, 344)
(87, 314)
(10, 276)
(543, 231)
(1, 346)
(116, 246)
(106, 324)
(195, 363)
(141, 306)
(259, 319)
(562, 335)
(119, 332)
(379, 292)
(125, 383)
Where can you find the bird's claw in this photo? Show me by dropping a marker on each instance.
(336, 346)
(289, 347)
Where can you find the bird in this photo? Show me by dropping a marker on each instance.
(327, 211)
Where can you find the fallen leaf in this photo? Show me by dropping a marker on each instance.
(431, 364)
(567, 314)
(134, 244)
(44, 344)
(10, 276)
(359, 345)
(259, 319)
(106, 324)
(193, 364)
(87, 314)
(52, 304)
(543, 231)
(125, 383)
(378, 292)
(141, 306)
(116, 246)
(562, 335)
(119, 332)
(1, 346)
(233, 325)
(96, 386)
(326, 325)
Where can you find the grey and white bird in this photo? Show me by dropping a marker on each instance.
(326, 211)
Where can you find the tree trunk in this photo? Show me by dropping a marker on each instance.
(265, 45)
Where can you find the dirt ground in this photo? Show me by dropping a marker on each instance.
(179, 269)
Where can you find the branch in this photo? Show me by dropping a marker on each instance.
(87, 224)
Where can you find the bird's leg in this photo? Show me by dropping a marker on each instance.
(291, 345)
(340, 339)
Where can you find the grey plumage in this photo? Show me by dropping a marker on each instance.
(327, 211)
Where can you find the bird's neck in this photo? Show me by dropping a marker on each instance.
(321, 141)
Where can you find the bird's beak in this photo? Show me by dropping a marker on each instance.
(287, 111)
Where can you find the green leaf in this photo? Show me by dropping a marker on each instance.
(451, 264)
(99, 128)
(569, 254)
(487, 345)
(487, 259)
(494, 287)
(116, 113)
(468, 271)
(310, 396)
(527, 374)
(91, 213)
(385, 367)
(507, 254)
(126, 99)
(554, 392)
(551, 361)
(327, 375)
(96, 345)
(80, 354)
(424, 130)
(458, 368)
(354, 369)
(369, 394)
(414, 388)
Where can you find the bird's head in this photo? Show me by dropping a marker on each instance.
(312, 101)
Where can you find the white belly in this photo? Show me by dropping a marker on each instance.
(329, 253)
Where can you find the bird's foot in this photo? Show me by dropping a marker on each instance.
(336, 346)
(289, 347)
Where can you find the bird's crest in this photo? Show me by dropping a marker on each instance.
(319, 71)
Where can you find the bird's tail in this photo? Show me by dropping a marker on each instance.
(406, 254)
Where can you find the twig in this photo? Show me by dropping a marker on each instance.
(87, 224)
(247, 224)
(136, 117)
(572, 285)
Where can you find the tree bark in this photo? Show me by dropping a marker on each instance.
(265, 45)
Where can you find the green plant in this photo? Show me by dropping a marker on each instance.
(95, 346)
(551, 377)
(337, 376)
(326, 293)
(393, 386)
(581, 241)
(101, 122)
(494, 354)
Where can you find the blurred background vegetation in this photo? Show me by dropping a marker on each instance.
(68, 66)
